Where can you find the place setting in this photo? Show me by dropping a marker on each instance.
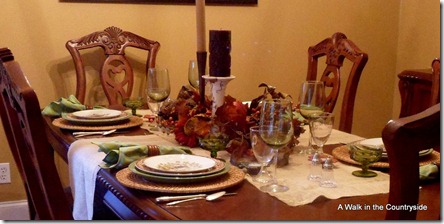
(345, 153)
(97, 120)
(180, 173)
(69, 113)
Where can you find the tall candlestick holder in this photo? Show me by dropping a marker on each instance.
(218, 78)
(218, 87)
(216, 140)
(201, 66)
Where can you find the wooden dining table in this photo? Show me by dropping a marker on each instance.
(249, 204)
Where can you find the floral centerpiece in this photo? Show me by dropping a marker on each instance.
(230, 125)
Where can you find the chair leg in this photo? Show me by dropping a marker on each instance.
(31, 208)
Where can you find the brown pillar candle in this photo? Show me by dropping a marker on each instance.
(220, 48)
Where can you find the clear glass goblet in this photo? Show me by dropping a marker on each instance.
(276, 130)
(158, 90)
(193, 74)
(311, 104)
(320, 129)
(263, 154)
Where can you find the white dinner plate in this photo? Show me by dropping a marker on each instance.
(373, 143)
(177, 180)
(220, 165)
(123, 117)
(179, 163)
(97, 114)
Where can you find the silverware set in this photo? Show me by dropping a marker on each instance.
(173, 200)
(87, 133)
(79, 134)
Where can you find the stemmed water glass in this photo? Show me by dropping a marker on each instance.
(320, 129)
(193, 74)
(263, 154)
(276, 130)
(158, 90)
(312, 102)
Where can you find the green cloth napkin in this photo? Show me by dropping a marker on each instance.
(121, 154)
(70, 104)
(428, 172)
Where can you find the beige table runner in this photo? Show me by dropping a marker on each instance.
(303, 191)
(84, 159)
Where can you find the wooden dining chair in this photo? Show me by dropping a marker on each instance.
(436, 81)
(23, 123)
(116, 75)
(419, 88)
(5, 56)
(403, 139)
(335, 49)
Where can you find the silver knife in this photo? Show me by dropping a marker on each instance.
(173, 198)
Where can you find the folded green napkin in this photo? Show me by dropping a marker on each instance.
(428, 172)
(120, 154)
(70, 104)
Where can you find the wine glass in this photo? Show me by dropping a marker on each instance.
(320, 129)
(365, 155)
(263, 154)
(158, 90)
(276, 130)
(193, 74)
(312, 101)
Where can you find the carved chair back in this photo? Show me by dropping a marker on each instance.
(113, 41)
(5, 56)
(335, 49)
(22, 119)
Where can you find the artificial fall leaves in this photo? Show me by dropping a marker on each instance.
(194, 119)
(233, 118)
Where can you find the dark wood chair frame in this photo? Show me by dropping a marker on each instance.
(336, 49)
(113, 41)
(6, 55)
(23, 123)
(436, 79)
(403, 139)
(419, 88)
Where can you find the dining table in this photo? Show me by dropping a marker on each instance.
(305, 202)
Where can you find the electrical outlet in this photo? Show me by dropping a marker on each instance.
(5, 173)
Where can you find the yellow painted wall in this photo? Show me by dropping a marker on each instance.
(269, 44)
(419, 35)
